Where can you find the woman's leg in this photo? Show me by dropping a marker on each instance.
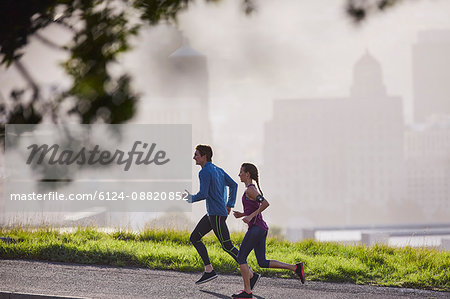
(281, 265)
(246, 275)
(247, 245)
(220, 228)
(260, 253)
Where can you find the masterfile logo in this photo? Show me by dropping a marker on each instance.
(120, 168)
(55, 152)
(96, 156)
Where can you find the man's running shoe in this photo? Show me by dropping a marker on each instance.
(254, 280)
(300, 272)
(207, 276)
(242, 294)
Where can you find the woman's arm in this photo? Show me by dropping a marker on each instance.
(253, 194)
(238, 214)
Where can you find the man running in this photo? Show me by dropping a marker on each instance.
(213, 183)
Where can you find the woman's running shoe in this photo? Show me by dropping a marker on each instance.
(300, 272)
(242, 294)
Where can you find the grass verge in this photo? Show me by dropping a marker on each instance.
(158, 249)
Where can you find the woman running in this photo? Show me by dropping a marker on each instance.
(255, 239)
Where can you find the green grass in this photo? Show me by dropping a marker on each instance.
(158, 249)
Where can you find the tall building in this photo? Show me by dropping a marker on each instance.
(342, 158)
(431, 74)
(427, 156)
(367, 79)
(184, 97)
(188, 77)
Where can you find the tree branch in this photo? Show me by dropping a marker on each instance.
(359, 10)
(26, 75)
(61, 22)
(48, 42)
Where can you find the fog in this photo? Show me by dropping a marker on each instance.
(281, 90)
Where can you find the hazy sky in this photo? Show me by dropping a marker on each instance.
(293, 49)
(300, 49)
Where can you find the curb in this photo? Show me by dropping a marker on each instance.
(16, 295)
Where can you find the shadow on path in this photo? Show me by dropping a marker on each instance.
(225, 296)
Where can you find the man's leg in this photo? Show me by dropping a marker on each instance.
(203, 227)
(220, 229)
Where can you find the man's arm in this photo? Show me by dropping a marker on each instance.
(233, 190)
(205, 180)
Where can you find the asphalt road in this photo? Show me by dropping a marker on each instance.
(87, 281)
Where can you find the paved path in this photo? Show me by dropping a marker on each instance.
(73, 280)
